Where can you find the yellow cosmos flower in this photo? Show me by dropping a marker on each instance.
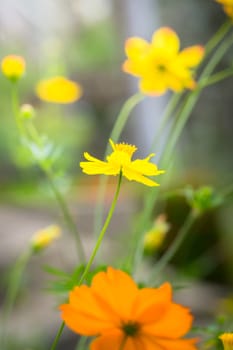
(58, 90)
(120, 161)
(45, 237)
(159, 64)
(122, 316)
(227, 7)
(13, 67)
(227, 340)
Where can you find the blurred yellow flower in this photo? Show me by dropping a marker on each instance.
(45, 237)
(227, 340)
(227, 7)
(58, 90)
(159, 64)
(155, 236)
(13, 67)
(120, 160)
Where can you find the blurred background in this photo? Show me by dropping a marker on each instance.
(84, 40)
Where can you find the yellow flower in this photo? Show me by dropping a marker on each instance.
(122, 316)
(13, 67)
(155, 236)
(227, 7)
(58, 90)
(227, 340)
(45, 237)
(120, 161)
(159, 64)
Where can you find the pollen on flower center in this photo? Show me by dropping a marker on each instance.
(125, 148)
(131, 328)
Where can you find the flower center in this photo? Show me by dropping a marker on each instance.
(131, 328)
(161, 68)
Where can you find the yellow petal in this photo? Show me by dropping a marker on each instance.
(191, 56)
(136, 47)
(95, 166)
(166, 39)
(152, 87)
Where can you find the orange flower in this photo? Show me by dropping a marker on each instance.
(227, 7)
(159, 64)
(122, 316)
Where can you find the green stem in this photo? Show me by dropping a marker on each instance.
(66, 214)
(165, 117)
(171, 251)
(114, 136)
(95, 250)
(226, 73)
(219, 35)
(58, 335)
(12, 290)
(81, 343)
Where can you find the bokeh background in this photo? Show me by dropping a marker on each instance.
(84, 40)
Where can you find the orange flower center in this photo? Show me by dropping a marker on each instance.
(131, 328)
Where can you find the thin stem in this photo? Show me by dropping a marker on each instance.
(13, 288)
(102, 233)
(226, 73)
(95, 250)
(165, 117)
(58, 335)
(171, 251)
(115, 134)
(219, 35)
(66, 214)
(81, 343)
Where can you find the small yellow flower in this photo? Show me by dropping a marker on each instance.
(227, 340)
(159, 64)
(120, 161)
(58, 90)
(13, 67)
(45, 237)
(155, 236)
(227, 7)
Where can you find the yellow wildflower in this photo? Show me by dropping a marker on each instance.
(227, 7)
(159, 64)
(227, 340)
(45, 237)
(58, 90)
(13, 67)
(155, 236)
(120, 161)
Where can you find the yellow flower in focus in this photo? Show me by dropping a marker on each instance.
(159, 64)
(45, 237)
(155, 236)
(227, 340)
(58, 90)
(122, 316)
(227, 7)
(120, 161)
(13, 67)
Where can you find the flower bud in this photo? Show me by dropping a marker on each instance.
(27, 111)
(227, 340)
(45, 237)
(154, 238)
(13, 67)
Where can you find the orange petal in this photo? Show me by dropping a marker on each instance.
(191, 56)
(168, 326)
(180, 344)
(111, 340)
(85, 315)
(166, 39)
(117, 289)
(151, 303)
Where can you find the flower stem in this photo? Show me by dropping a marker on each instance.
(94, 252)
(115, 134)
(12, 290)
(171, 251)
